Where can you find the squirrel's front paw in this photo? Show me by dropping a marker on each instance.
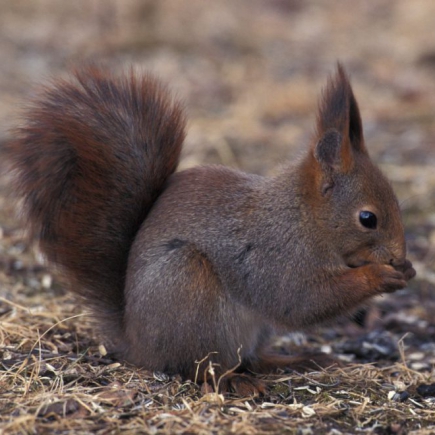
(407, 269)
(384, 278)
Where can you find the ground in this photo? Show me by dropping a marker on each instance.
(249, 73)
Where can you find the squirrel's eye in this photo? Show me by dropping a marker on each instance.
(368, 219)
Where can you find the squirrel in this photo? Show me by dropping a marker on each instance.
(209, 261)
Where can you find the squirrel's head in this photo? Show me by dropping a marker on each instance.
(352, 202)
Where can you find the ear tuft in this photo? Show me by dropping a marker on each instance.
(339, 110)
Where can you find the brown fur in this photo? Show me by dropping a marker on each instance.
(79, 139)
(210, 260)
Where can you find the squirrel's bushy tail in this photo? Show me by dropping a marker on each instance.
(91, 157)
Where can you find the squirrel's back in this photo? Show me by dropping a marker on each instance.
(91, 157)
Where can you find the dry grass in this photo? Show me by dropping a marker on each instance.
(47, 392)
(54, 380)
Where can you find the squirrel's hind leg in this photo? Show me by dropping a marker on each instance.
(177, 314)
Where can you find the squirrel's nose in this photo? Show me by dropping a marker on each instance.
(397, 262)
(397, 253)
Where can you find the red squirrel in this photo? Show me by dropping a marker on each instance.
(209, 261)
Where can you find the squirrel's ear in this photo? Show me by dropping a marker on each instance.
(339, 128)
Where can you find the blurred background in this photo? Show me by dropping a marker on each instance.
(250, 73)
